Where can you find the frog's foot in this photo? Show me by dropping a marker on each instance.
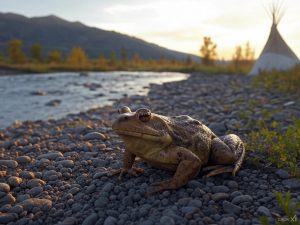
(163, 185)
(220, 169)
(209, 168)
(132, 171)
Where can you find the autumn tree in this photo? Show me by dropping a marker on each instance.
(208, 51)
(15, 52)
(248, 53)
(55, 56)
(112, 58)
(136, 59)
(123, 56)
(77, 56)
(36, 52)
(237, 56)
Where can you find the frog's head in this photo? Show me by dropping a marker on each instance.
(141, 124)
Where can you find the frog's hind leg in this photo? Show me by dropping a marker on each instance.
(227, 150)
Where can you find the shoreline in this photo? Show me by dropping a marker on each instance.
(63, 162)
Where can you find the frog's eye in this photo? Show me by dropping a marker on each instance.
(124, 109)
(143, 114)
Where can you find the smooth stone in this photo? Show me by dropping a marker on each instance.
(232, 184)
(8, 199)
(5, 218)
(35, 191)
(292, 183)
(242, 198)
(195, 203)
(91, 219)
(166, 220)
(219, 196)
(69, 221)
(227, 221)
(228, 207)
(29, 204)
(101, 202)
(94, 136)
(220, 189)
(18, 209)
(4, 187)
(219, 128)
(12, 164)
(35, 183)
(282, 173)
(189, 210)
(66, 163)
(14, 181)
(110, 221)
(24, 159)
(263, 211)
(26, 175)
(50, 155)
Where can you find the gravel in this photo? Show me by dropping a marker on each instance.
(53, 172)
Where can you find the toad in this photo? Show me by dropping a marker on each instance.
(178, 143)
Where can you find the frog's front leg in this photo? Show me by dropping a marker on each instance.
(188, 167)
(227, 150)
(128, 160)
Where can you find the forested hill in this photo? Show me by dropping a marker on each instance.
(53, 32)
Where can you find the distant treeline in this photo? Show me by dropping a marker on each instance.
(77, 59)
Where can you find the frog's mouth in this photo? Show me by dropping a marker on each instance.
(155, 136)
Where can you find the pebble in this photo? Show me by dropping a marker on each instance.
(282, 173)
(228, 207)
(9, 163)
(91, 219)
(93, 136)
(227, 221)
(23, 159)
(220, 189)
(66, 163)
(110, 221)
(43, 204)
(5, 218)
(219, 196)
(242, 198)
(263, 211)
(166, 220)
(292, 183)
(14, 181)
(35, 183)
(4, 187)
(7, 199)
(50, 155)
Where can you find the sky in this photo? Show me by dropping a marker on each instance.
(176, 24)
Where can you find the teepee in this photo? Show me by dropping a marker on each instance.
(276, 54)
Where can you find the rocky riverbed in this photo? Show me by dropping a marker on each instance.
(53, 172)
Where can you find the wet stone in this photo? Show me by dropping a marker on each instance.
(31, 203)
(14, 181)
(23, 159)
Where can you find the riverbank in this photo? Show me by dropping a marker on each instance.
(52, 171)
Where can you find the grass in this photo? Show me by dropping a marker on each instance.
(282, 81)
(143, 65)
(289, 209)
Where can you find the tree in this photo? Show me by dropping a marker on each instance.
(77, 56)
(208, 51)
(112, 58)
(136, 59)
(15, 53)
(123, 56)
(36, 52)
(55, 56)
(188, 60)
(249, 52)
(237, 57)
(101, 59)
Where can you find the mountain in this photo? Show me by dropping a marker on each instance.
(53, 32)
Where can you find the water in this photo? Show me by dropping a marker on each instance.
(76, 93)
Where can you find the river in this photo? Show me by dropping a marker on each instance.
(55, 95)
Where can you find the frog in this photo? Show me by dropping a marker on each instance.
(175, 143)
